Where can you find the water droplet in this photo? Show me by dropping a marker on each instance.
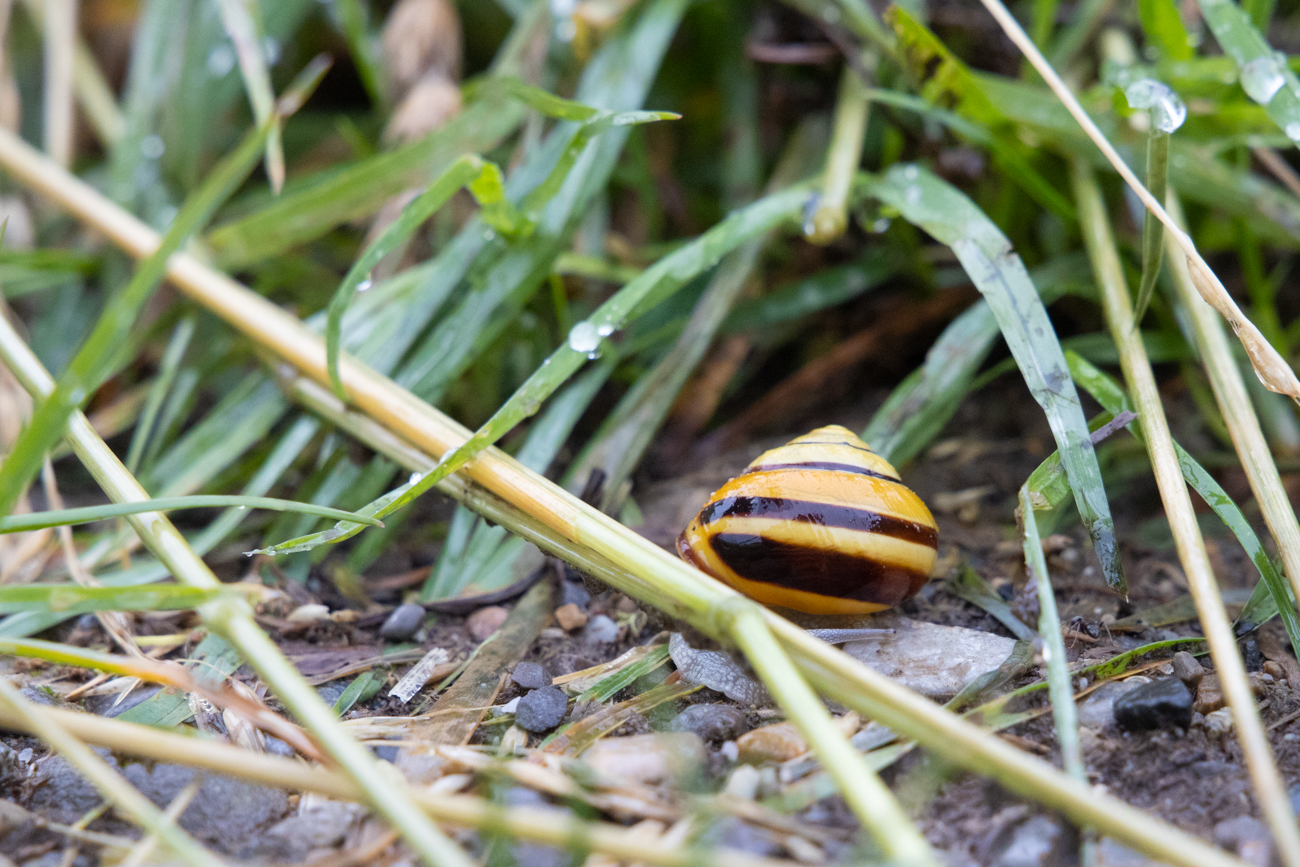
(242, 508)
(911, 173)
(584, 337)
(489, 234)
(1167, 110)
(271, 50)
(1262, 78)
(563, 8)
(220, 61)
(566, 30)
(152, 147)
(1293, 131)
(592, 356)
(76, 396)
(605, 330)
(913, 195)
(365, 285)
(415, 477)
(881, 225)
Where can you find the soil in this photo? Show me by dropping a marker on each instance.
(1191, 778)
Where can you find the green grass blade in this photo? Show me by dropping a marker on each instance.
(917, 410)
(1164, 28)
(998, 273)
(213, 660)
(70, 599)
(654, 285)
(1265, 78)
(1153, 231)
(1272, 586)
(86, 370)
(89, 514)
(167, 370)
(239, 17)
(483, 178)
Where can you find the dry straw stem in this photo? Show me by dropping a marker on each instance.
(1271, 368)
(641, 568)
(1269, 788)
(233, 619)
(60, 53)
(40, 722)
(870, 799)
(528, 823)
(1239, 414)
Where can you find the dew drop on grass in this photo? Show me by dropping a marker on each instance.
(221, 60)
(365, 284)
(605, 330)
(913, 195)
(152, 147)
(1262, 78)
(584, 337)
(1167, 111)
(911, 173)
(76, 396)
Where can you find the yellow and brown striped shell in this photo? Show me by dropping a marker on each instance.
(822, 524)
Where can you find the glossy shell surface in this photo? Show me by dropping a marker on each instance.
(822, 524)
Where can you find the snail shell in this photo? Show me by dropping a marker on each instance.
(822, 525)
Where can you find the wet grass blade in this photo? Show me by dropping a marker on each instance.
(89, 514)
(916, 411)
(167, 370)
(70, 599)
(1266, 79)
(1153, 231)
(239, 19)
(86, 370)
(484, 181)
(998, 273)
(584, 342)
(1271, 595)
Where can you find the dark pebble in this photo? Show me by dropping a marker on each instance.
(1160, 704)
(403, 623)
(712, 722)
(542, 709)
(572, 592)
(530, 675)
(1251, 656)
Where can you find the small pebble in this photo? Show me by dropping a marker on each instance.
(570, 617)
(310, 613)
(1187, 669)
(712, 722)
(531, 675)
(1248, 837)
(778, 742)
(542, 709)
(512, 705)
(403, 623)
(649, 759)
(1039, 842)
(573, 593)
(1275, 670)
(1160, 704)
(742, 782)
(600, 630)
(730, 751)
(482, 623)
(1098, 710)
(1219, 722)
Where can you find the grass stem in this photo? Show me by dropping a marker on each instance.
(852, 110)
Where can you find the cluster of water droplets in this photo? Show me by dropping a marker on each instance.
(565, 27)
(1263, 77)
(585, 337)
(1167, 110)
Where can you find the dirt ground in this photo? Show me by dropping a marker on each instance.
(1192, 778)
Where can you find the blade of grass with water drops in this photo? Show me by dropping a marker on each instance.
(1271, 595)
(84, 372)
(1166, 114)
(70, 600)
(916, 411)
(584, 342)
(1265, 76)
(986, 254)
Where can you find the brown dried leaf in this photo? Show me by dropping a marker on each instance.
(421, 36)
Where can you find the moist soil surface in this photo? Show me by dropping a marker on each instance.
(1194, 778)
